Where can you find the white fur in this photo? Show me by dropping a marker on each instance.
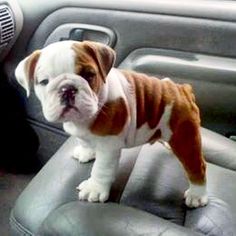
(115, 85)
(93, 191)
(129, 96)
(85, 100)
(75, 129)
(196, 196)
(47, 67)
(103, 173)
(51, 57)
(59, 70)
(21, 76)
(83, 153)
(144, 133)
(44, 69)
(107, 150)
(164, 126)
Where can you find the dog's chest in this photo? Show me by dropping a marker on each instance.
(78, 130)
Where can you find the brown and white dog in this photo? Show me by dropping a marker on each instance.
(111, 109)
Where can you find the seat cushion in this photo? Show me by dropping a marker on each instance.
(157, 184)
(82, 218)
(150, 179)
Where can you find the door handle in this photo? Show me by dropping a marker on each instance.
(75, 34)
(80, 32)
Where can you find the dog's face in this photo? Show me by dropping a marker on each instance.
(68, 78)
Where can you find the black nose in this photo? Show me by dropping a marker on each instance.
(68, 93)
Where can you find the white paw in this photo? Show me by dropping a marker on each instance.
(195, 196)
(92, 191)
(83, 154)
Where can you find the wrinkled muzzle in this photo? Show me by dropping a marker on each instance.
(67, 97)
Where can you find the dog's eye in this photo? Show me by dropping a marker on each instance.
(44, 82)
(87, 74)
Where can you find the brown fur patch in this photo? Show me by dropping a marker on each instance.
(103, 55)
(150, 102)
(186, 139)
(93, 62)
(85, 62)
(30, 64)
(186, 144)
(152, 95)
(111, 119)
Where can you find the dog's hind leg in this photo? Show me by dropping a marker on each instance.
(186, 145)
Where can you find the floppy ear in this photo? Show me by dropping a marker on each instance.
(103, 55)
(24, 72)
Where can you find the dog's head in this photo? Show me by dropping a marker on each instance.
(68, 78)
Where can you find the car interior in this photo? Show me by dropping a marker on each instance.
(188, 41)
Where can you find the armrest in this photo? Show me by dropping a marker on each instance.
(218, 149)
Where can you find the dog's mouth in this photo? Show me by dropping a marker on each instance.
(67, 109)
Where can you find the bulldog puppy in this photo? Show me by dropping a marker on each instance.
(111, 109)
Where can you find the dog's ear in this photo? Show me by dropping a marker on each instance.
(24, 72)
(103, 55)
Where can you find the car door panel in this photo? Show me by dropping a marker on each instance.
(186, 40)
(135, 30)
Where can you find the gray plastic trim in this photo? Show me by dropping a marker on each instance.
(211, 9)
(182, 64)
(136, 30)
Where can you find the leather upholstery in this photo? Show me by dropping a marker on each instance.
(114, 219)
(146, 199)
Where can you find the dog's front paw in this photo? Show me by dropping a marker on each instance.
(195, 197)
(92, 191)
(83, 154)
